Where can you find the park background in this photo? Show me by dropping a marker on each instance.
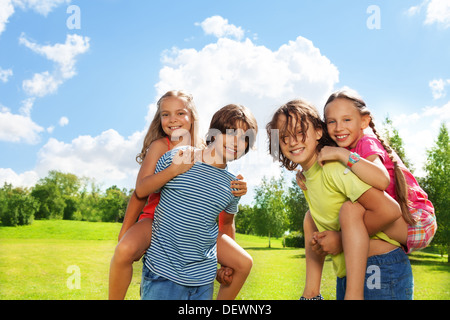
(79, 81)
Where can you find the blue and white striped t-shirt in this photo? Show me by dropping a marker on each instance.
(184, 234)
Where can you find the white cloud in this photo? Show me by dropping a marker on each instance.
(437, 11)
(6, 11)
(420, 129)
(26, 179)
(27, 105)
(438, 87)
(43, 7)
(419, 132)
(440, 113)
(63, 55)
(18, 128)
(412, 11)
(64, 121)
(5, 74)
(219, 27)
(41, 84)
(108, 158)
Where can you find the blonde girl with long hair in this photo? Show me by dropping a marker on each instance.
(174, 124)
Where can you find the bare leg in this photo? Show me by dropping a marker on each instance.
(130, 248)
(314, 261)
(355, 241)
(383, 214)
(398, 231)
(230, 254)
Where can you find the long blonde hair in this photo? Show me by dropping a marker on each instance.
(155, 131)
(401, 187)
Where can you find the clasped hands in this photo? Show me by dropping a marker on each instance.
(327, 242)
(225, 275)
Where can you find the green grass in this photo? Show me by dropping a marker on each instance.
(34, 261)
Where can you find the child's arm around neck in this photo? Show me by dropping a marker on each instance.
(147, 181)
(370, 170)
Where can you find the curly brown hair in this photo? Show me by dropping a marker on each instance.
(296, 111)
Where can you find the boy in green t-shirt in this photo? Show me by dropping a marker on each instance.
(301, 135)
(329, 183)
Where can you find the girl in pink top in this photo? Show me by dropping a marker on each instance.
(346, 116)
(375, 163)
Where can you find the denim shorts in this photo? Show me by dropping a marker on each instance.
(388, 277)
(154, 287)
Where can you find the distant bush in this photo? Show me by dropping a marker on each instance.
(294, 240)
(17, 206)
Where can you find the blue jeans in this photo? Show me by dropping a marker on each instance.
(388, 277)
(154, 287)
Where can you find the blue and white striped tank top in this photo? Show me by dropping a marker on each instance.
(184, 234)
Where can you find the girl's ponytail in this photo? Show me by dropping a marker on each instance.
(401, 187)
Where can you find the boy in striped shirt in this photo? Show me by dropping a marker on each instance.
(181, 262)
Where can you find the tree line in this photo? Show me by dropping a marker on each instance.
(278, 207)
(62, 196)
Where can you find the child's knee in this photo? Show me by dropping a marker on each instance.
(125, 252)
(245, 264)
(350, 212)
(249, 262)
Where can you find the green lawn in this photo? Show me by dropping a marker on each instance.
(34, 262)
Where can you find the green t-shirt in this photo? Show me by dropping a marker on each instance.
(327, 189)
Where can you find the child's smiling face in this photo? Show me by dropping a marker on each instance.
(232, 146)
(175, 117)
(344, 122)
(298, 146)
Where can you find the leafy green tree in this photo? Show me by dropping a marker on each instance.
(244, 219)
(70, 208)
(3, 199)
(68, 184)
(17, 207)
(57, 195)
(51, 204)
(88, 208)
(437, 185)
(394, 140)
(296, 207)
(113, 204)
(270, 214)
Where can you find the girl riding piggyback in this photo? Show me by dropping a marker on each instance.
(347, 117)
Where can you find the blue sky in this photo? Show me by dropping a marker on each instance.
(80, 99)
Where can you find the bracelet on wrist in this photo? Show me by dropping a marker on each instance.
(352, 159)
